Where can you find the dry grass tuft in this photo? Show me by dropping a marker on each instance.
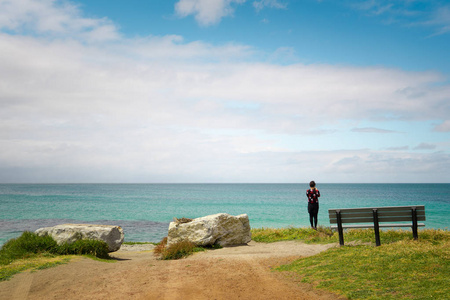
(159, 249)
(177, 250)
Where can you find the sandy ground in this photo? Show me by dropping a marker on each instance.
(243, 272)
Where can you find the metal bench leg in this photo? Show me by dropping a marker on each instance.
(376, 227)
(340, 230)
(414, 223)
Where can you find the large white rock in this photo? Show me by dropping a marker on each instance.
(222, 229)
(69, 233)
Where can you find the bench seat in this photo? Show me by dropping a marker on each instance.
(377, 217)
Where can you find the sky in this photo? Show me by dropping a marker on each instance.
(224, 91)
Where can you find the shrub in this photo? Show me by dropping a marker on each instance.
(30, 244)
(160, 247)
(177, 250)
(89, 247)
(27, 245)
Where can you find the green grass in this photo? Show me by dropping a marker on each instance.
(38, 262)
(139, 243)
(51, 264)
(88, 247)
(401, 268)
(322, 235)
(25, 246)
(30, 251)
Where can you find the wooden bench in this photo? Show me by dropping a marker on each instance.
(339, 218)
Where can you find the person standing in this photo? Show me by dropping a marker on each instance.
(313, 195)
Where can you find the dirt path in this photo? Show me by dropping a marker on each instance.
(242, 272)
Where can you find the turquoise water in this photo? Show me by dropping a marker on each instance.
(145, 210)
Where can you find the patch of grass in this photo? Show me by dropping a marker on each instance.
(308, 235)
(35, 263)
(106, 260)
(90, 247)
(51, 264)
(30, 251)
(400, 268)
(324, 235)
(139, 243)
(27, 245)
(178, 250)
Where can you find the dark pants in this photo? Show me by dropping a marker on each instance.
(313, 210)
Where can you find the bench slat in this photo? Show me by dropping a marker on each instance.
(381, 225)
(370, 213)
(369, 219)
(380, 209)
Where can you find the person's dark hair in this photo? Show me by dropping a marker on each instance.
(312, 184)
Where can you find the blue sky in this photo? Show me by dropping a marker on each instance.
(224, 91)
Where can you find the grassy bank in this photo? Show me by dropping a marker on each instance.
(30, 251)
(401, 268)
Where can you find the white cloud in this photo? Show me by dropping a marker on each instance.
(440, 19)
(211, 12)
(433, 14)
(55, 17)
(443, 127)
(425, 146)
(402, 148)
(206, 12)
(388, 166)
(371, 130)
(259, 5)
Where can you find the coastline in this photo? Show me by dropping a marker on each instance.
(241, 272)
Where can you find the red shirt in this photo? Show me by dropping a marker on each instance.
(313, 195)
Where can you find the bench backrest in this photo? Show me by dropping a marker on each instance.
(385, 214)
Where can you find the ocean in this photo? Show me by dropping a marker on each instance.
(144, 211)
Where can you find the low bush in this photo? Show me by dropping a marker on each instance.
(30, 251)
(27, 245)
(160, 247)
(90, 247)
(177, 250)
(30, 244)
